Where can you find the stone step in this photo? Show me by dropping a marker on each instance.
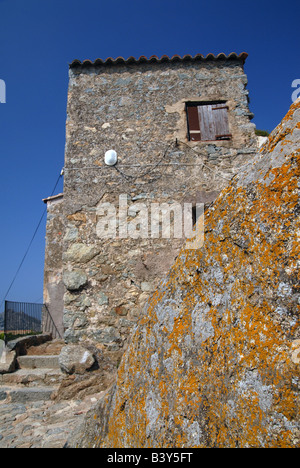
(38, 362)
(25, 394)
(32, 377)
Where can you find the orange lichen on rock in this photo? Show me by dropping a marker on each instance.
(214, 360)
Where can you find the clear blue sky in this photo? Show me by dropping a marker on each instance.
(38, 38)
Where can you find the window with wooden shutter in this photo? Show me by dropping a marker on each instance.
(207, 121)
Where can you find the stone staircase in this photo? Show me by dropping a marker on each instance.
(36, 378)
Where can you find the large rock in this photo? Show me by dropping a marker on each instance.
(7, 361)
(75, 359)
(214, 362)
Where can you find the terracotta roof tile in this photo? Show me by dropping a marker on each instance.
(154, 59)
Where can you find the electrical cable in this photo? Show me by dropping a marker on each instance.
(176, 165)
(149, 171)
(30, 244)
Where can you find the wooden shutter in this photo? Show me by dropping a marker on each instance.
(193, 123)
(220, 116)
(207, 124)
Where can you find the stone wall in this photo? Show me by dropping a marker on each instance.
(139, 111)
(214, 360)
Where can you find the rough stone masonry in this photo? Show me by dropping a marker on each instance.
(214, 360)
(136, 107)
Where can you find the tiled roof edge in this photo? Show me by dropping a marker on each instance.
(154, 59)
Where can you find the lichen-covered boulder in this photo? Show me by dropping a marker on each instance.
(214, 361)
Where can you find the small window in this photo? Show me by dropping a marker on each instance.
(207, 121)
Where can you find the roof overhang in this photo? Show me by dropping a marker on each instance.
(154, 59)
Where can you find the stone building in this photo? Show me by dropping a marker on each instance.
(180, 128)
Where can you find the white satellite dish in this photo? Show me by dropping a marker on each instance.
(111, 158)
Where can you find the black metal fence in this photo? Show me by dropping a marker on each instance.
(23, 318)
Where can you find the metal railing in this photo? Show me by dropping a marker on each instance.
(24, 318)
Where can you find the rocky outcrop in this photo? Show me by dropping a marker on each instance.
(214, 361)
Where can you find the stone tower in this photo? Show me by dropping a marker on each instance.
(180, 127)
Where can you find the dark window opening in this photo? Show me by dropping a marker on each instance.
(207, 121)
